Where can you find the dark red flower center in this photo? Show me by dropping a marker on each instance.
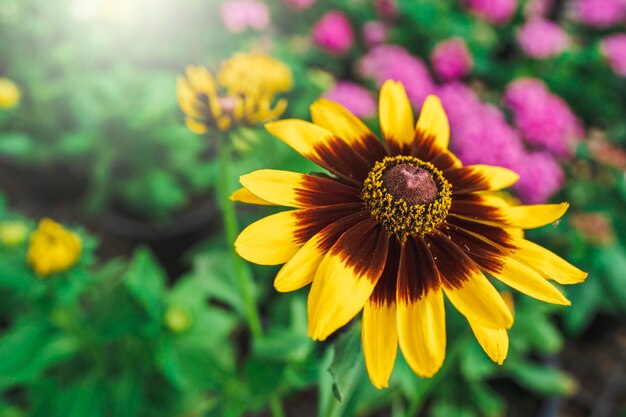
(412, 184)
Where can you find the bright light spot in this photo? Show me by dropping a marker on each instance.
(116, 10)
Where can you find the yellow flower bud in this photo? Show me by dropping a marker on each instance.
(12, 233)
(178, 319)
(9, 94)
(53, 248)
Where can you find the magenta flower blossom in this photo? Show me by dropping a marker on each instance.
(614, 49)
(495, 11)
(479, 132)
(333, 32)
(544, 119)
(540, 38)
(239, 15)
(600, 13)
(354, 97)
(374, 33)
(392, 62)
(299, 4)
(540, 177)
(451, 59)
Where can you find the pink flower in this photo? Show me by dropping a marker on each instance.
(614, 49)
(495, 11)
(392, 62)
(540, 38)
(451, 59)
(333, 32)
(299, 4)
(540, 177)
(479, 132)
(354, 97)
(239, 15)
(600, 13)
(374, 33)
(544, 119)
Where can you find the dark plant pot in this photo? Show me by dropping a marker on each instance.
(52, 183)
(168, 240)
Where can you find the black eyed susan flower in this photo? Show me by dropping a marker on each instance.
(243, 92)
(397, 226)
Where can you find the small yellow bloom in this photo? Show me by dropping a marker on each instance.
(13, 233)
(242, 93)
(53, 248)
(178, 319)
(9, 94)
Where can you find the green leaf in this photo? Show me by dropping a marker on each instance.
(145, 281)
(613, 261)
(489, 403)
(542, 379)
(345, 361)
(283, 345)
(83, 398)
(16, 144)
(475, 364)
(29, 348)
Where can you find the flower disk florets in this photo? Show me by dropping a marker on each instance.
(407, 196)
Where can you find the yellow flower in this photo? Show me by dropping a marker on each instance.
(13, 233)
(396, 226)
(243, 93)
(52, 248)
(9, 94)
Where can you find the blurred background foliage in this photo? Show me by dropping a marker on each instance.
(150, 320)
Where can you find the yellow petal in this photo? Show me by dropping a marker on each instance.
(279, 187)
(422, 333)
(196, 127)
(530, 217)
(396, 114)
(269, 241)
(337, 119)
(433, 122)
(346, 278)
(201, 79)
(186, 98)
(484, 178)
(245, 196)
(526, 280)
(379, 336)
(548, 263)
(300, 135)
(479, 301)
(300, 269)
(495, 342)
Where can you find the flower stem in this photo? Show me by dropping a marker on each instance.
(232, 229)
(242, 275)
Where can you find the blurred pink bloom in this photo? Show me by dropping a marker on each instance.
(600, 13)
(614, 49)
(540, 177)
(299, 4)
(495, 11)
(374, 33)
(386, 8)
(479, 132)
(544, 119)
(392, 62)
(333, 32)
(354, 97)
(451, 59)
(239, 15)
(540, 38)
(539, 8)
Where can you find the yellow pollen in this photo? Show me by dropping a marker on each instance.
(425, 209)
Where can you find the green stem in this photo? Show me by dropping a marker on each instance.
(232, 229)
